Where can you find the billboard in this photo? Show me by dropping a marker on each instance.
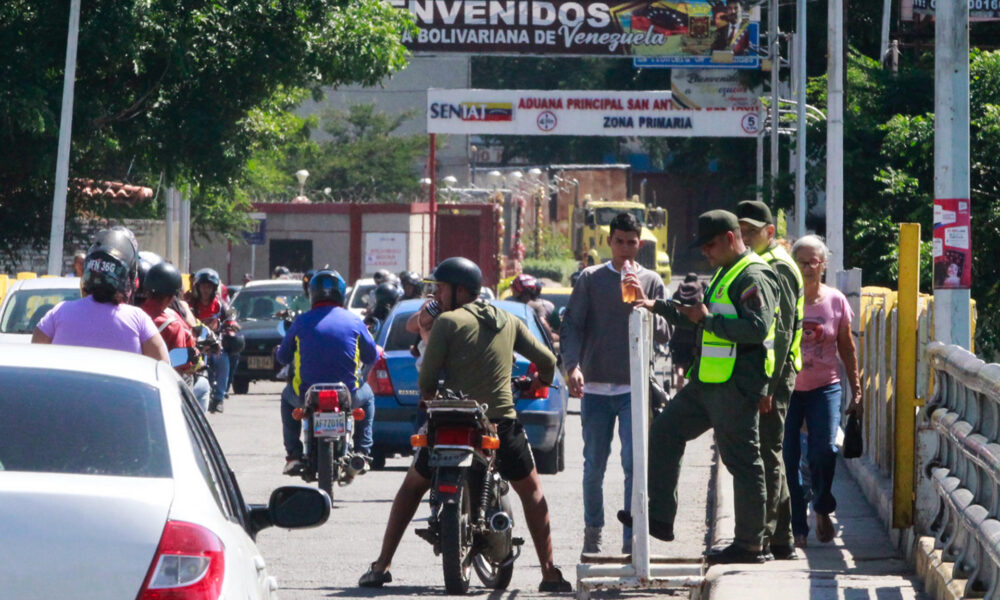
(715, 88)
(581, 112)
(979, 10)
(692, 31)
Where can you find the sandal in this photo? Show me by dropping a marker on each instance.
(556, 585)
(373, 579)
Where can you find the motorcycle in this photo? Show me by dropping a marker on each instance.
(471, 523)
(328, 421)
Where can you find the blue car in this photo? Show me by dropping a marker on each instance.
(394, 380)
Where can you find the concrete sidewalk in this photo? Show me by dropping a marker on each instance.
(859, 564)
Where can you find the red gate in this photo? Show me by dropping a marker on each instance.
(469, 230)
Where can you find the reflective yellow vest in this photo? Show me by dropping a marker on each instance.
(718, 355)
(778, 253)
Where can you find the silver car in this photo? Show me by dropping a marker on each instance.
(112, 485)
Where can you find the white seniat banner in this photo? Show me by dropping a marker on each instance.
(582, 112)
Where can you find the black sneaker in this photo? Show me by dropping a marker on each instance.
(784, 552)
(658, 529)
(733, 554)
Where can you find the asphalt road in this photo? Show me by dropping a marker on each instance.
(326, 562)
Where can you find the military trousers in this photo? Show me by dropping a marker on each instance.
(778, 514)
(733, 415)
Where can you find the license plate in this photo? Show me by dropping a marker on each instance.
(261, 363)
(446, 457)
(329, 424)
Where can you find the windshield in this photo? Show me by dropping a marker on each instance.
(66, 422)
(27, 307)
(605, 215)
(360, 295)
(262, 304)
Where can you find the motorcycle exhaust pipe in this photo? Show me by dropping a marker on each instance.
(500, 522)
(357, 464)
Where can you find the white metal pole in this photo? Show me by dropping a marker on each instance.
(800, 96)
(883, 47)
(774, 51)
(185, 236)
(58, 230)
(835, 135)
(640, 341)
(171, 219)
(952, 323)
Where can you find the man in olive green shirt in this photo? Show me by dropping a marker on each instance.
(471, 346)
(757, 228)
(741, 315)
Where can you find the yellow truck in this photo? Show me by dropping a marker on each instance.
(590, 232)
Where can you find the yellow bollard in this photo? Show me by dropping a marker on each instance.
(903, 490)
(27, 275)
(4, 282)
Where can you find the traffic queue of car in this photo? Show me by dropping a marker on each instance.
(110, 471)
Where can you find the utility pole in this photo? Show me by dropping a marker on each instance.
(774, 52)
(952, 222)
(835, 135)
(800, 98)
(58, 229)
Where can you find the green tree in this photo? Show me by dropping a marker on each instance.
(360, 158)
(182, 91)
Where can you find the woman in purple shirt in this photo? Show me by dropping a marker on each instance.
(826, 342)
(103, 318)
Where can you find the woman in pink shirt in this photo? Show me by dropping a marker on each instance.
(826, 342)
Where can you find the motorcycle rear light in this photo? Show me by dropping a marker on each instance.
(418, 440)
(379, 379)
(448, 489)
(358, 414)
(328, 400)
(189, 564)
(455, 436)
(490, 443)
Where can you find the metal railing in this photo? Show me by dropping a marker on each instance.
(958, 497)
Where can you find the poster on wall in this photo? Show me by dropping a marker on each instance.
(581, 112)
(691, 32)
(714, 88)
(385, 251)
(952, 244)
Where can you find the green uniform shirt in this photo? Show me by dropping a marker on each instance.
(788, 293)
(475, 346)
(754, 293)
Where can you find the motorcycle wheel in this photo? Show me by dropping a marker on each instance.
(456, 544)
(492, 576)
(327, 467)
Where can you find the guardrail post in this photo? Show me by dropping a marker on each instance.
(906, 375)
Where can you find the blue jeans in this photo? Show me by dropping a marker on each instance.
(820, 409)
(234, 363)
(218, 374)
(364, 398)
(291, 428)
(202, 390)
(598, 414)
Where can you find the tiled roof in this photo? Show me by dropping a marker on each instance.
(115, 191)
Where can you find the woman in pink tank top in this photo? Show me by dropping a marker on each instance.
(826, 343)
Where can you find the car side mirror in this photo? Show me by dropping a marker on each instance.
(178, 357)
(291, 507)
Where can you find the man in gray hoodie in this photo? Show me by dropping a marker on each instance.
(594, 344)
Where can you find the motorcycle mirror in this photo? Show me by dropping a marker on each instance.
(178, 357)
(282, 328)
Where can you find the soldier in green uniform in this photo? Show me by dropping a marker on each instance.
(757, 227)
(733, 364)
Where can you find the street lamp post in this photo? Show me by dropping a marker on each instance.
(302, 175)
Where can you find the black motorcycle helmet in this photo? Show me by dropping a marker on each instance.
(412, 279)
(386, 296)
(146, 261)
(110, 265)
(458, 272)
(233, 343)
(381, 276)
(280, 271)
(305, 280)
(162, 279)
(327, 286)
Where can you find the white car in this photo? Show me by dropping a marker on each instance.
(28, 300)
(112, 485)
(357, 299)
